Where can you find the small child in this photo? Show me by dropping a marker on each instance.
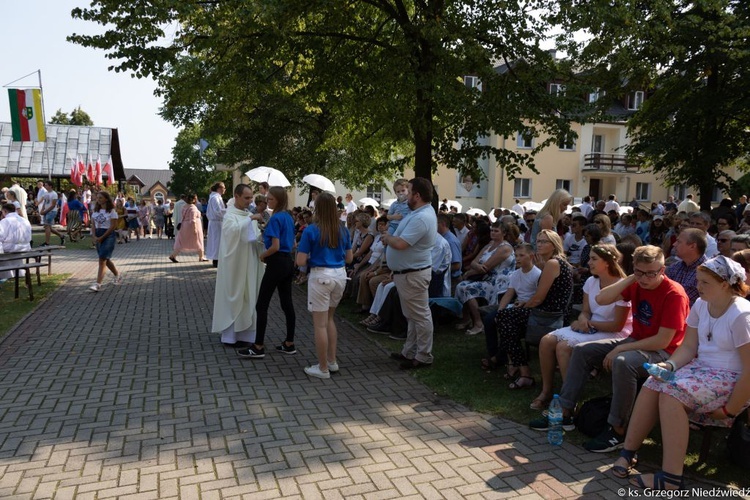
(400, 208)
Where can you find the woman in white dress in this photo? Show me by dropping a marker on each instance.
(594, 323)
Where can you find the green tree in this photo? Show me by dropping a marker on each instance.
(692, 59)
(356, 90)
(76, 117)
(192, 169)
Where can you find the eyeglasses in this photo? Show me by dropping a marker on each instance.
(649, 274)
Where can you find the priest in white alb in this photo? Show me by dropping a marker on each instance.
(240, 273)
(215, 215)
(15, 236)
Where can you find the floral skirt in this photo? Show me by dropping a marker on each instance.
(702, 389)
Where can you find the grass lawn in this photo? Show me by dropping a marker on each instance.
(12, 309)
(457, 375)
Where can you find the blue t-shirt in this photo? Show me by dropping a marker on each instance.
(280, 226)
(76, 205)
(397, 207)
(323, 255)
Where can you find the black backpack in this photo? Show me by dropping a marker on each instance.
(592, 416)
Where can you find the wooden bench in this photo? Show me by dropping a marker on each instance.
(29, 259)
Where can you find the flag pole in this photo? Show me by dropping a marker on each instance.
(44, 124)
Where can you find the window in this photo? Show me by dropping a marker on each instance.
(642, 191)
(596, 95)
(680, 191)
(568, 143)
(717, 195)
(635, 100)
(563, 184)
(556, 89)
(522, 188)
(526, 139)
(473, 82)
(597, 144)
(375, 192)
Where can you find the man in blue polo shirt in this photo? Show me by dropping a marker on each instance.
(409, 257)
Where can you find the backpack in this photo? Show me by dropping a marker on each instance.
(591, 418)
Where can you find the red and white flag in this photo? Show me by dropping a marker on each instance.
(81, 171)
(73, 172)
(108, 171)
(90, 171)
(98, 171)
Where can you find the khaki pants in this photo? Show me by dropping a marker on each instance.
(412, 291)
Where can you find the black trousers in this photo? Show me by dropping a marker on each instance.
(279, 274)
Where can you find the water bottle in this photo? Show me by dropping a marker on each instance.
(658, 372)
(554, 420)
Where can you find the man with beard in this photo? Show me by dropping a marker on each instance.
(400, 208)
(239, 275)
(408, 254)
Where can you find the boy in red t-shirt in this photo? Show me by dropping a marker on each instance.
(660, 307)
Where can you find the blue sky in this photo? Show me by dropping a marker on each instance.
(33, 38)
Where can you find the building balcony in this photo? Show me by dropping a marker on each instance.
(600, 162)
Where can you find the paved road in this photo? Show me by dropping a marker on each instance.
(125, 394)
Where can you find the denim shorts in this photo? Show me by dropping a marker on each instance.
(49, 218)
(106, 247)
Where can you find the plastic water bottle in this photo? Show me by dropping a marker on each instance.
(658, 372)
(555, 419)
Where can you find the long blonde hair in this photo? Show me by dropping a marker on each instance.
(327, 218)
(552, 207)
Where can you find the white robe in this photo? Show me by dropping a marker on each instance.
(214, 214)
(15, 236)
(238, 278)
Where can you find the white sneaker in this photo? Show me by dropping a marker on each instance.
(315, 371)
(117, 279)
(476, 330)
(333, 367)
(95, 287)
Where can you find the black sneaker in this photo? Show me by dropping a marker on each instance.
(286, 349)
(397, 336)
(542, 424)
(605, 442)
(251, 352)
(380, 328)
(62, 240)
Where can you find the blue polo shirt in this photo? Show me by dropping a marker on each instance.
(455, 245)
(280, 226)
(397, 207)
(419, 230)
(323, 255)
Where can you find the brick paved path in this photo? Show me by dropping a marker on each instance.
(125, 393)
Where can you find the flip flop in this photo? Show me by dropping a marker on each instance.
(519, 383)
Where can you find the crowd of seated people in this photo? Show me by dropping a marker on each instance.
(635, 281)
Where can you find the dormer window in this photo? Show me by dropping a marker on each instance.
(635, 100)
(556, 89)
(596, 95)
(473, 82)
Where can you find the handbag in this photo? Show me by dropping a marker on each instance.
(738, 441)
(592, 417)
(179, 225)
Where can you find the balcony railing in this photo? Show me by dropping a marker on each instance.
(610, 163)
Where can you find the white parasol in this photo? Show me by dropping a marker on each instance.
(476, 211)
(319, 181)
(270, 175)
(369, 201)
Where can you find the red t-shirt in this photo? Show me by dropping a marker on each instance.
(667, 306)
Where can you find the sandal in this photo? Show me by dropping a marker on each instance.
(464, 325)
(512, 375)
(540, 403)
(522, 382)
(660, 481)
(370, 320)
(631, 457)
(489, 363)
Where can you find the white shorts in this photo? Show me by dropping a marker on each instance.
(325, 287)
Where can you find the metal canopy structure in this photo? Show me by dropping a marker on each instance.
(64, 142)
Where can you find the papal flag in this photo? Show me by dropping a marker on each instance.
(26, 114)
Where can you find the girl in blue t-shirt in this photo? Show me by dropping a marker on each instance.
(278, 238)
(326, 247)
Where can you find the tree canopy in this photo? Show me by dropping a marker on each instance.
(353, 90)
(76, 117)
(691, 58)
(191, 167)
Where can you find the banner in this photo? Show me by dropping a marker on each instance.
(26, 115)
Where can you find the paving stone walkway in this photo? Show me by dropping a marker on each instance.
(125, 394)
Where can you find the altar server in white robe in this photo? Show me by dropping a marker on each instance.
(15, 235)
(215, 215)
(240, 273)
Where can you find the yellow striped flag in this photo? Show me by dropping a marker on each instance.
(26, 115)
